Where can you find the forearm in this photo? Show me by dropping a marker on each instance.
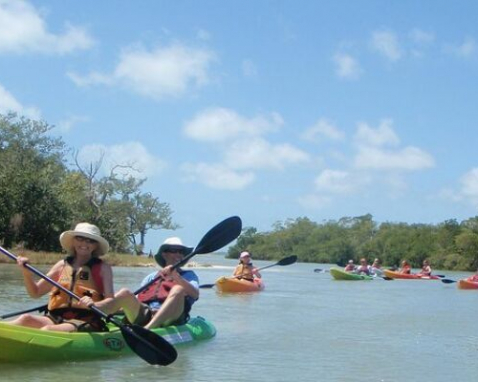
(30, 285)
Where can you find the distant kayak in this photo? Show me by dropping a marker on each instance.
(235, 285)
(20, 344)
(405, 276)
(467, 284)
(339, 274)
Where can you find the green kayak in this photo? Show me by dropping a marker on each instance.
(339, 274)
(21, 344)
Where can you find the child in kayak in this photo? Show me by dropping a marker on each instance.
(406, 268)
(83, 273)
(245, 270)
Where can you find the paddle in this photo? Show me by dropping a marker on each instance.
(217, 237)
(148, 345)
(448, 281)
(285, 261)
(35, 309)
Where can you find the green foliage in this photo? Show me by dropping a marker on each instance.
(448, 245)
(40, 196)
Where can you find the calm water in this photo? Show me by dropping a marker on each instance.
(303, 327)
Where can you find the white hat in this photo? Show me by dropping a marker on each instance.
(171, 243)
(87, 230)
(244, 254)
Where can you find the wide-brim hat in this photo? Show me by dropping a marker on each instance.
(87, 230)
(171, 243)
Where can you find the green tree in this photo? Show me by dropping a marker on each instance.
(31, 171)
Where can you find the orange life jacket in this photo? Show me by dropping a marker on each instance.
(85, 281)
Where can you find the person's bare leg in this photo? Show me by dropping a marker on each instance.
(126, 300)
(31, 321)
(170, 310)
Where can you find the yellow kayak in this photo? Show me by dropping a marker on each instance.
(235, 285)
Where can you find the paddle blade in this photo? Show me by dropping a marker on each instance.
(207, 286)
(220, 235)
(288, 260)
(448, 281)
(148, 345)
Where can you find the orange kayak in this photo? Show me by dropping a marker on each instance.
(398, 275)
(466, 284)
(234, 285)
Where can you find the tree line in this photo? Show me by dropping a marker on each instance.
(448, 245)
(44, 190)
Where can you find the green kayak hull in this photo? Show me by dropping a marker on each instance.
(339, 274)
(20, 344)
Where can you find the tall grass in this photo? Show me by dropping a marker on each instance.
(114, 259)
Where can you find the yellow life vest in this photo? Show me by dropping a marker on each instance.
(82, 282)
(244, 271)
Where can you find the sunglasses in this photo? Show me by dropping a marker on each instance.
(174, 251)
(82, 239)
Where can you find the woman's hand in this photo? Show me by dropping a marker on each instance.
(86, 301)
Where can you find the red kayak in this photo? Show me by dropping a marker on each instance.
(467, 284)
(405, 276)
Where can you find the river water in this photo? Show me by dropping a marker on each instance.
(303, 327)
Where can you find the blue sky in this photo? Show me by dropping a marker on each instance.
(268, 110)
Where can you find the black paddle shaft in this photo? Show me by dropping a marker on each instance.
(151, 347)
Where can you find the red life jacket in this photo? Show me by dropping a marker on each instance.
(157, 291)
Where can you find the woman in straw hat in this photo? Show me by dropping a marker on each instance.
(82, 272)
(169, 299)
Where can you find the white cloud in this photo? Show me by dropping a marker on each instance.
(347, 66)
(407, 159)
(338, 182)
(8, 103)
(384, 135)
(220, 124)
(93, 78)
(22, 29)
(421, 37)
(323, 129)
(133, 154)
(259, 154)
(217, 176)
(170, 71)
(66, 125)
(469, 186)
(249, 69)
(386, 43)
(464, 50)
(203, 34)
(241, 144)
(371, 153)
(315, 201)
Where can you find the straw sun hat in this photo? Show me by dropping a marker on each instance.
(87, 230)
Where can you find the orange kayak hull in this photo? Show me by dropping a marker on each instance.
(465, 284)
(231, 285)
(404, 276)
